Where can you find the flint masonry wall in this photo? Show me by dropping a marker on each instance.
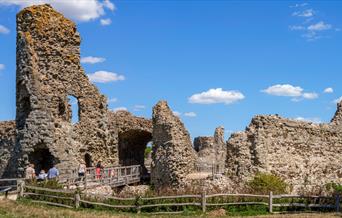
(48, 71)
(7, 141)
(131, 135)
(211, 149)
(173, 157)
(306, 155)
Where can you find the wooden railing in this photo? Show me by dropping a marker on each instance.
(9, 187)
(112, 176)
(212, 169)
(202, 201)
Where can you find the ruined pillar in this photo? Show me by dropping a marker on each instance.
(173, 157)
(48, 72)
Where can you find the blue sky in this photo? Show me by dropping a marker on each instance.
(215, 62)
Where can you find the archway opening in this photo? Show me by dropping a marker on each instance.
(75, 109)
(132, 145)
(42, 159)
(88, 160)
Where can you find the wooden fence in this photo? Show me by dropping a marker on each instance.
(70, 199)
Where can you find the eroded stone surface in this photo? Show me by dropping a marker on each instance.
(48, 71)
(7, 141)
(173, 156)
(306, 155)
(211, 150)
(131, 135)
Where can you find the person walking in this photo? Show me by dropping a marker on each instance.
(30, 172)
(98, 169)
(53, 173)
(82, 170)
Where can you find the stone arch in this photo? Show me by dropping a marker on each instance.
(88, 160)
(132, 145)
(42, 158)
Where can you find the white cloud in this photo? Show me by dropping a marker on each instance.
(139, 107)
(3, 29)
(310, 119)
(177, 113)
(112, 100)
(310, 95)
(298, 5)
(119, 109)
(2, 66)
(288, 90)
(92, 60)
(190, 114)
(320, 26)
(297, 27)
(328, 90)
(305, 13)
(284, 90)
(108, 4)
(336, 101)
(80, 10)
(214, 96)
(105, 22)
(105, 77)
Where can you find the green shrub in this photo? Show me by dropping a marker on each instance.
(51, 184)
(263, 183)
(148, 150)
(334, 187)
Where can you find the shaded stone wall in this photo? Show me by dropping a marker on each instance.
(131, 135)
(48, 71)
(306, 155)
(7, 141)
(211, 149)
(173, 156)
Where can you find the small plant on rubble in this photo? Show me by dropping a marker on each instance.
(263, 183)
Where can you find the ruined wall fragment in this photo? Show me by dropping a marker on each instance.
(306, 155)
(337, 119)
(211, 149)
(7, 142)
(131, 135)
(48, 71)
(173, 156)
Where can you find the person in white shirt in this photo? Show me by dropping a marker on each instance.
(42, 175)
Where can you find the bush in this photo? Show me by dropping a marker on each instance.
(51, 184)
(263, 183)
(148, 150)
(334, 188)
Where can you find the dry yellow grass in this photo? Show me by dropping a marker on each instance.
(11, 209)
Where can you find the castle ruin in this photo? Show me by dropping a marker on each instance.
(48, 73)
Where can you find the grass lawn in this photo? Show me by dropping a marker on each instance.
(11, 209)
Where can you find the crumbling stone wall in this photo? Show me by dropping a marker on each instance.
(131, 135)
(337, 119)
(7, 141)
(48, 71)
(211, 149)
(173, 156)
(306, 155)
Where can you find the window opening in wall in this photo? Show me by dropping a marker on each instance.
(75, 113)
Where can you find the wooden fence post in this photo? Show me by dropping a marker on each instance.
(21, 188)
(270, 202)
(77, 200)
(137, 204)
(204, 202)
(85, 180)
(337, 203)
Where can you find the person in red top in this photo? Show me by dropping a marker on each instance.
(98, 170)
